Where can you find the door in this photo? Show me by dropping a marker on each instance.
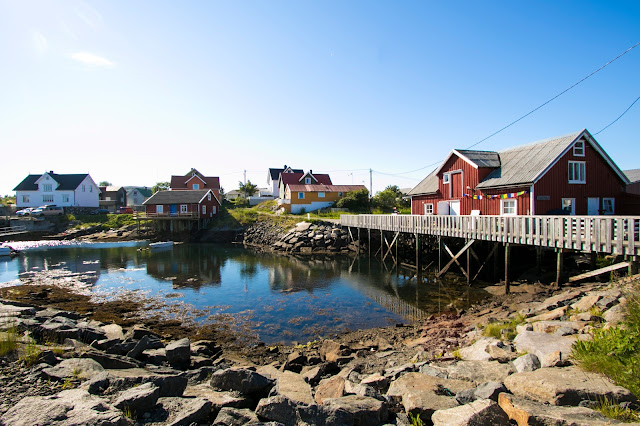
(173, 209)
(593, 206)
(456, 185)
(454, 208)
(443, 208)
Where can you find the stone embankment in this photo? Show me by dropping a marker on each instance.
(304, 238)
(446, 371)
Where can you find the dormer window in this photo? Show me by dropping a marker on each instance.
(196, 186)
(445, 178)
(307, 181)
(578, 148)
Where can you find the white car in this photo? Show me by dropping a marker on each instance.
(25, 212)
(48, 211)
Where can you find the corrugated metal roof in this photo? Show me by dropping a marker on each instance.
(522, 165)
(481, 158)
(66, 182)
(325, 188)
(175, 197)
(633, 175)
(429, 185)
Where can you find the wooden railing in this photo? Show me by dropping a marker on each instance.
(606, 234)
(21, 229)
(167, 215)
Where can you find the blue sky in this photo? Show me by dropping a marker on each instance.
(133, 92)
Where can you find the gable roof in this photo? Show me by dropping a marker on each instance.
(526, 164)
(428, 185)
(176, 197)
(294, 178)
(180, 182)
(325, 188)
(474, 158)
(65, 182)
(633, 175)
(144, 190)
(274, 174)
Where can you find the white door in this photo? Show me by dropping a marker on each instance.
(593, 206)
(443, 208)
(454, 208)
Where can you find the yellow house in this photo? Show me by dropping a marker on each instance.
(300, 198)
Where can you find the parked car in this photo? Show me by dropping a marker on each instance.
(125, 210)
(48, 210)
(25, 212)
(100, 211)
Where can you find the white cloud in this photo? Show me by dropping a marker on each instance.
(92, 60)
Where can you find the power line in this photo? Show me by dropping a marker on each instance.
(619, 117)
(537, 108)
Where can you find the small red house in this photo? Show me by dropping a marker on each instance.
(202, 204)
(194, 180)
(301, 179)
(569, 174)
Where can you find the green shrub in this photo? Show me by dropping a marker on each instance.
(8, 341)
(503, 330)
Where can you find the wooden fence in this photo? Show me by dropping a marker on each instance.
(604, 234)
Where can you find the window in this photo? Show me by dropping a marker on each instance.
(90, 188)
(508, 207)
(159, 208)
(307, 181)
(65, 198)
(569, 204)
(577, 172)
(608, 205)
(47, 187)
(209, 196)
(25, 198)
(300, 195)
(445, 178)
(196, 186)
(320, 194)
(183, 208)
(428, 208)
(213, 209)
(340, 194)
(204, 209)
(83, 188)
(578, 149)
(47, 198)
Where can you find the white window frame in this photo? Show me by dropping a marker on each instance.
(428, 208)
(300, 195)
(213, 209)
(65, 198)
(506, 210)
(209, 196)
(83, 188)
(204, 209)
(159, 208)
(613, 206)
(579, 148)
(25, 198)
(195, 186)
(577, 172)
(446, 178)
(307, 181)
(184, 208)
(572, 203)
(47, 198)
(47, 187)
(320, 194)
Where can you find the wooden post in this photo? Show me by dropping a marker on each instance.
(633, 265)
(559, 266)
(507, 252)
(496, 263)
(594, 260)
(468, 266)
(369, 241)
(358, 250)
(381, 244)
(538, 258)
(439, 253)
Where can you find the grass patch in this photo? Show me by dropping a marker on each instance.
(613, 411)
(416, 420)
(8, 341)
(503, 330)
(615, 352)
(106, 221)
(31, 354)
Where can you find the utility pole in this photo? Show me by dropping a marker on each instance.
(245, 183)
(370, 183)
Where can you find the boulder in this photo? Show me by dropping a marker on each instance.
(615, 315)
(138, 399)
(550, 349)
(479, 351)
(278, 408)
(480, 412)
(293, 386)
(111, 361)
(185, 411)
(178, 353)
(333, 387)
(169, 384)
(527, 412)
(235, 417)
(218, 399)
(527, 362)
(586, 303)
(565, 386)
(551, 327)
(558, 300)
(550, 315)
(113, 331)
(72, 407)
(78, 368)
(478, 371)
(241, 380)
(364, 410)
(147, 342)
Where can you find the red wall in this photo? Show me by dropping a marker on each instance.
(601, 182)
(191, 207)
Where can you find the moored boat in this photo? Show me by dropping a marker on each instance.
(160, 245)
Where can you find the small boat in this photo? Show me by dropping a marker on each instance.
(161, 245)
(6, 250)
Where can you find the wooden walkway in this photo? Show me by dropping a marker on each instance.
(13, 230)
(617, 235)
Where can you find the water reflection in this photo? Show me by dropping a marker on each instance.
(275, 297)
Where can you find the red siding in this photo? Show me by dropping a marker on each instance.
(191, 207)
(601, 182)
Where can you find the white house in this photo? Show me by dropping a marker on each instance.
(77, 190)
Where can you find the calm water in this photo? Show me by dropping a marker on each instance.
(266, 297)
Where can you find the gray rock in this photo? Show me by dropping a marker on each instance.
(551, 350)
(169, 384)
(477, 413)
(466, 396)
(73, 407)
(235, 417)
(74, 368)
(478, 371)
(113, 331)
(97, 384)
(321, 415)
(278, 408)
(138, 399)
(365, 410)
(218, 399)
(147, 342)
(138, 331)
(241, 380)
(479, 351)
(179, 353)
(111, 361)
(489, 390)
(565, 386)
(615, 315)
(293, 386)
(527, 362)
(333, 387)
(435, 372)
(185, 411)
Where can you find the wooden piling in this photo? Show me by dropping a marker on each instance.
(559, 267)
(507, 253)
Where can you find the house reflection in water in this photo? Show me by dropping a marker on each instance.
(192, 266)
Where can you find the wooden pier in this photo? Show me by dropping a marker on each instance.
(13, 230)
(616, 235)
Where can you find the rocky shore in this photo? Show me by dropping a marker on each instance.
(70, 369)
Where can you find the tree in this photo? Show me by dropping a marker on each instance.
(248, 189)
(161, 186)
(355, 200)
(105, 183)
(389, 198)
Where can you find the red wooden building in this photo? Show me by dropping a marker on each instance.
(199, 204)
(194, 180)
(569, 174)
